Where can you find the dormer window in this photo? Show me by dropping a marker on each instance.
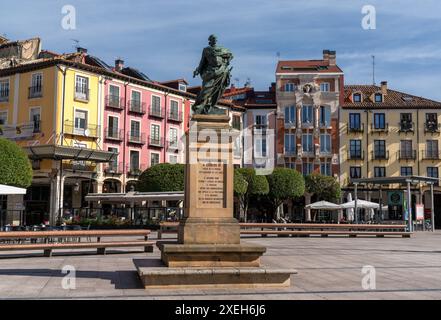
(378, 97)
(182, 87)
(356, 97)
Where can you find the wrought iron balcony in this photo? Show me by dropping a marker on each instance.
(114, 134)
(82, 94)
(136, 137)
(290, 153)
(355, 129)
(406, 126)
(136, 106)
(155, 142)
(156, 111)
(85, 166)
(431, 155)
(135, 170)
(113, 168)
(4, 97)
(89, 131)
(407, 155)
(380, 155)
(173, 145)
(431, 127)
(175, 116)
(35, 92)
(114, 102)
(356, 155)
(385, 129)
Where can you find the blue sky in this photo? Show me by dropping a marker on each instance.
(164, 38)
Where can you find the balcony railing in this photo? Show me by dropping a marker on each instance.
(290, 124)
(80, 166)
(136, 137)
(175, 116)
(113, 168)
(135, 170)
(4, 98)
(406, 126)
(324, 124)
(173, 145)
(137, 106)
(377, 129)
(380, 155)
(355, 129)
(35, 92)
(356, 155)
(90, 131)
(431, 155)
(155, 142)
(156, 111)
(114, 102)
(114, 134)
(22, 131)
(82, 94)
(407, 155)
(290, 153)
(431, 127)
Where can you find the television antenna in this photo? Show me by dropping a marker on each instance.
(373, 70)
(278, 55)
(77, 43)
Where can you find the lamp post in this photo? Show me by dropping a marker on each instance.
(356, 198)
(432, 209)
(409, 206)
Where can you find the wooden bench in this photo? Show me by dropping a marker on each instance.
(167, 227)
(54, 240)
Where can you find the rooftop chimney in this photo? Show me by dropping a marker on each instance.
(332, 58)
(326, 55)
(119, 65)
(81, 50)
(384, 87)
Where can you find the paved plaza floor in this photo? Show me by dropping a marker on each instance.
(328, 268)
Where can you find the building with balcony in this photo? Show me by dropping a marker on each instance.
(387, 133)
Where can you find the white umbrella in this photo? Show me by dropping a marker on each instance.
(362, 204)
(350, 212)
(323, 205)
(5, 190)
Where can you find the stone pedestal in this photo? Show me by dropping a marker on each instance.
(208, 251)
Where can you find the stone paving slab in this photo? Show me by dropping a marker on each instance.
(328, 268)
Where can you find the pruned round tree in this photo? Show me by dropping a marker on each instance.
(255, 185)
(323, 187)
(15, 167)
(284, 184)
(162, 178)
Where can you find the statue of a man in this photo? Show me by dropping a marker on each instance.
(215, 72)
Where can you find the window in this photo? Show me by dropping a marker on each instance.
(307, 143)
(81, 88)
(379, 149)
(290, 115)
(174, 110)
(406, 171)
(325, 143)
(432, 149)
(135, 128)
(154, 134)
(35, 117)
(261, 121)
(135, 103)
(431, 122)
(325, 116)
(354, 122)
(4, 90)
(406, 151)
(182, 87)
(325, 169)
(236, 122)
(134, 161)
(36, 88)
(290, 87)
(112, 131)
(236, 148)
(307, 168)
(156, 105)
(173, 136)
(355, 149)
(290, 143)
(379, 121)
(432, 172)
(379, 172)
(154, 159)
(355, 172)
(113, 164)
(378, 97)
(406, 122)
(260, 147)
(324, 86)
(356, 97)
(307, 115)
(3, 117)
(80, 125)
(173, 159)
(114, 99)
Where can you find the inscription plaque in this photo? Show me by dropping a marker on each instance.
(211, 187)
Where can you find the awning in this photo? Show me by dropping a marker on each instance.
(135, 196)
(323, 205)
(9, 190)
(57, 152)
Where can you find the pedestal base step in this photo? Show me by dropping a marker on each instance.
(192, 278)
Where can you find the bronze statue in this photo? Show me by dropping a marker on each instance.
(215, 72)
